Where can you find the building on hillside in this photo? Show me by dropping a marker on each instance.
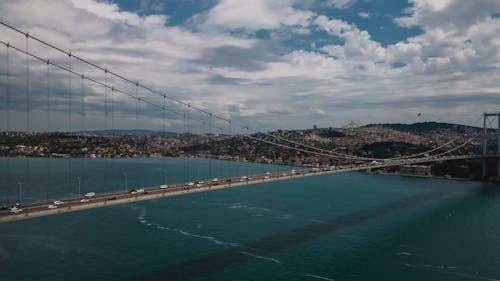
(351, 125)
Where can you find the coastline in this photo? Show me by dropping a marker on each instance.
(426, 176)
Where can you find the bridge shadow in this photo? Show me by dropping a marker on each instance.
(219, 261)
(205, 265)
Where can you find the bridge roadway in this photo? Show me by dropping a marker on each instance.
(114, 198)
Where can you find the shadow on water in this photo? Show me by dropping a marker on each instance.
(202, 266)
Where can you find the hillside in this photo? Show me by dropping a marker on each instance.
(429, 128)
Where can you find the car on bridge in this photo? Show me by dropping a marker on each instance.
(89, 194)
(137, 191)
(15, 211)
(16, 208)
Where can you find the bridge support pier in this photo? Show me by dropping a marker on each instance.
(498, 147)
(485, 144)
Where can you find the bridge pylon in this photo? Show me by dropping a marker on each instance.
(485, 143)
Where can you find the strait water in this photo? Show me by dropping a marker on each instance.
(350, 226)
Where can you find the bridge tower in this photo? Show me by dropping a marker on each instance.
(485, 142)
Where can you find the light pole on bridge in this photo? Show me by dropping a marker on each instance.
(20, 191)
(126, 181)
(79, 186)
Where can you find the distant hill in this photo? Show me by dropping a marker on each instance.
(425, 128)
(390, 149)
(131, 132)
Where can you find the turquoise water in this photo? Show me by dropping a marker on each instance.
(349, 226)
(35, 179)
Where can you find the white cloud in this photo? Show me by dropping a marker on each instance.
(364, 15)
(152, 5)
(340, 4)
(430, 14)
(357, 43)
(448, 71)
(112, 12)
(317, 111)
(257, 14)
(440, 68)
(125, 42)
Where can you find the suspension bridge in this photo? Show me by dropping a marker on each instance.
(108, 199)
(35, 73)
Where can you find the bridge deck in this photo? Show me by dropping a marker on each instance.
(115, 198)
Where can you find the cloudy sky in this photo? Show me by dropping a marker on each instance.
(267, 63)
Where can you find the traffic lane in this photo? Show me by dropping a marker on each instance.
(71, 202)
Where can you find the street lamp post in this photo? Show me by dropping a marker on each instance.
(126, 181)
(20, 191)
(79, 186)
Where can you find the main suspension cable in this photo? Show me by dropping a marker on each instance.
(230, 122)
(177, 100)
(158, 92)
